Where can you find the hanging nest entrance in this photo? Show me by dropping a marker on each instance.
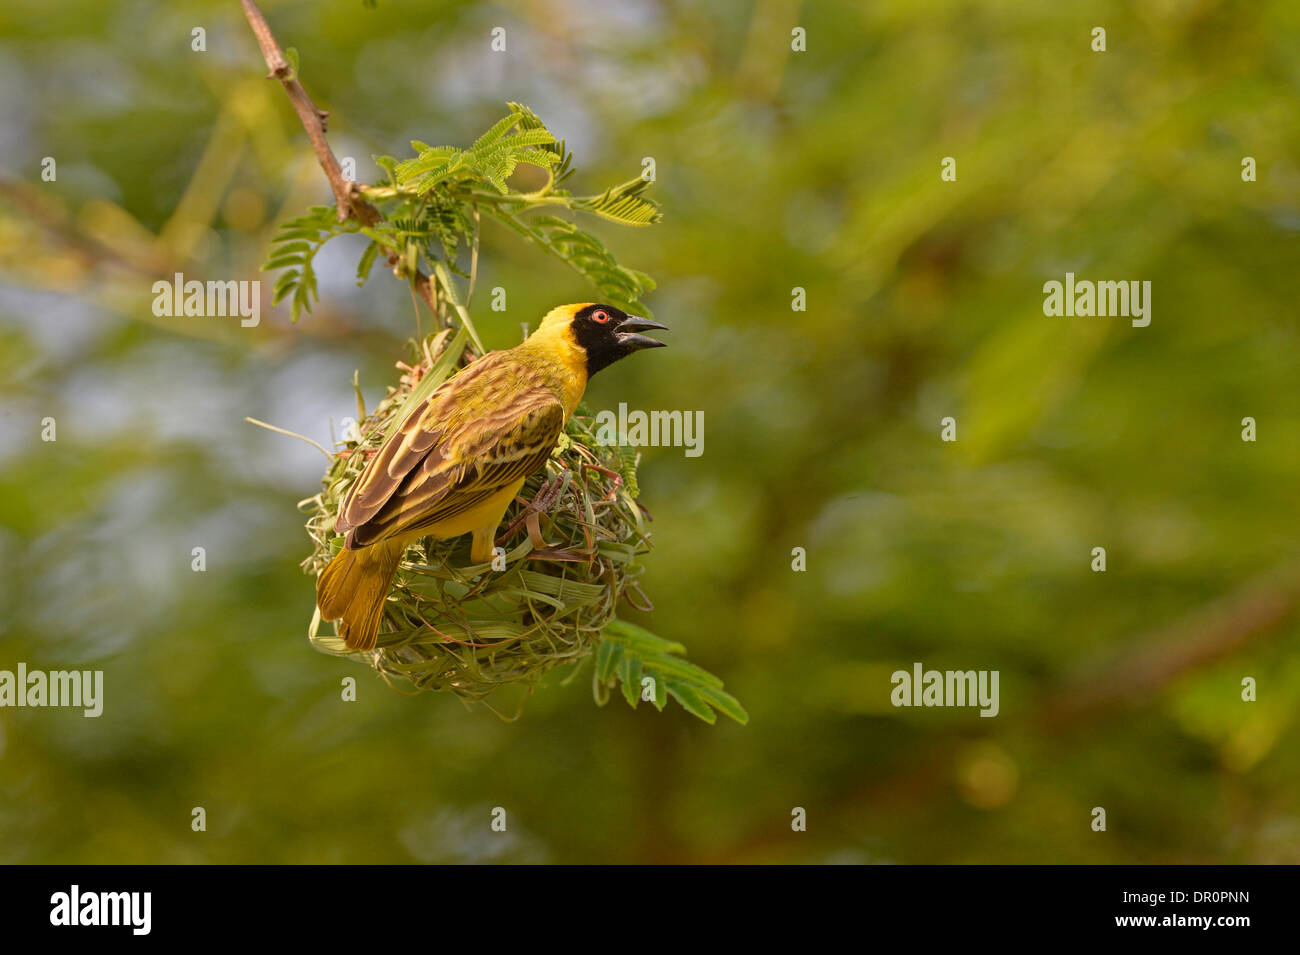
(572, 540)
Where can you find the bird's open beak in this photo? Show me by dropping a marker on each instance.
(627, 333)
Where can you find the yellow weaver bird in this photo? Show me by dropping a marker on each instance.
(459, 459)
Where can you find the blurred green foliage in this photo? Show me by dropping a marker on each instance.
(776, 169)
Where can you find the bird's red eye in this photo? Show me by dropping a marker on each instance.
(600, 315)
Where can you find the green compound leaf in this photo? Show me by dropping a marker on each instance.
(628, 653)
(623, 203)
(491, 160)
(293, 250)
(585, 254)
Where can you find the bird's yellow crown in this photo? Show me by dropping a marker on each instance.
(561, 316)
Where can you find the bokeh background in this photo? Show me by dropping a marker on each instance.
(777, 169)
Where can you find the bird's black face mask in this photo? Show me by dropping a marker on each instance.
(607, 334)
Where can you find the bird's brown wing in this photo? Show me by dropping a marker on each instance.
(485, 429)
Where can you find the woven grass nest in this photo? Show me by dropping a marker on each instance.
(572, 539)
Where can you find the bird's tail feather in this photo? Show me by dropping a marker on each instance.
(353, 588)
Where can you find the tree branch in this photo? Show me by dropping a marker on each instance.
(346, 196)
(1213, 632)
(1201, 638)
